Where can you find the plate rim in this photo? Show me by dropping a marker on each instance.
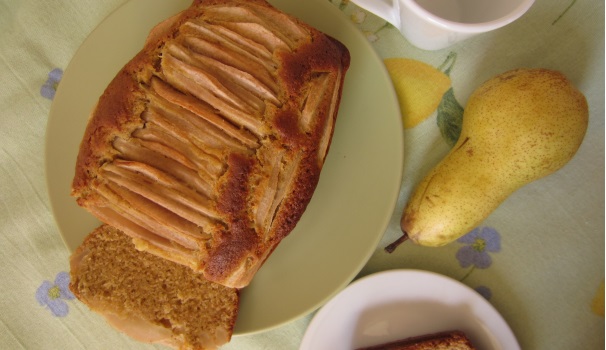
(51, 116)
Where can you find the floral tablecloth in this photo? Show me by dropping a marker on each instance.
(538, 259)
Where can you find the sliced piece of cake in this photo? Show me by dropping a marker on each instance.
(448, 340)
(148, 298)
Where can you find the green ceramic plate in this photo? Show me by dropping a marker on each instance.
(358, 187)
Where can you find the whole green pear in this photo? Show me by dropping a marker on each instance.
(517, 127)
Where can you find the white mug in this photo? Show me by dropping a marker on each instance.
(437, 24)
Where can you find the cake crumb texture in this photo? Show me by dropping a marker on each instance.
(129, 286)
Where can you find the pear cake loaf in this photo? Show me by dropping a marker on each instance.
(148, 298)
(207, 146)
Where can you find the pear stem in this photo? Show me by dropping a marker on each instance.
(390, 248)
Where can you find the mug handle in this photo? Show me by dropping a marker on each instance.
(382, 8)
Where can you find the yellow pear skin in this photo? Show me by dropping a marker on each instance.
(517, 127)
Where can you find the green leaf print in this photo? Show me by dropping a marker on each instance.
(450, 117)
(450, 112)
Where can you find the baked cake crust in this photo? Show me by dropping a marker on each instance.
(207, 146)
(447, 340)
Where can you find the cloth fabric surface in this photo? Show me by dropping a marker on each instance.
(541, 262)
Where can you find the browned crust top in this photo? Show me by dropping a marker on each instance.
(291, 136)
(455, 340)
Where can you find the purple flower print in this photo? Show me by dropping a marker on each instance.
(479, 242)
(50, 86)
(53, 295)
